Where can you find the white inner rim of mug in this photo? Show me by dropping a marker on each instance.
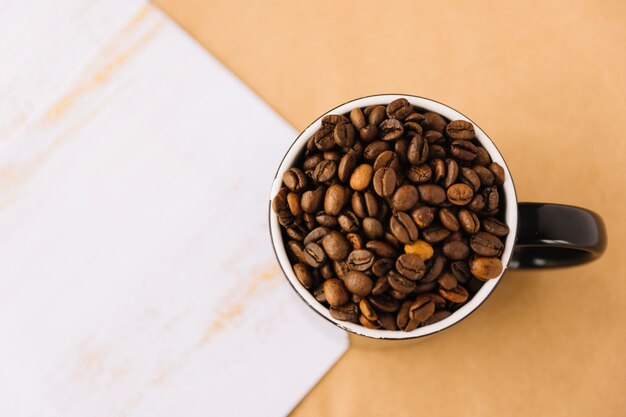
(510, 218)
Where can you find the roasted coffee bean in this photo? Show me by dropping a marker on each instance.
(421, 309)
(348, 312)
(420, 174)
(403, 227)
(402, 319)
(431, 194)
(437, 152)
(456, 250)
(384, 182)
(373, 228)
(433, 137)
(382, 266)
(423, 216)
(293, 201)
(360, 260)
(348, 221)
(486, 268)
(391, 129)
(448, 219)
(296, 232)
(361, 177)
(404, 198)
(463, 150)
(314, 255)
(383, 210)
(459, 194)
(437, 317)
(425, 287)
(334, 199)
(498, 173)
(387, 321)
(457, 294)
(356, 241)
(341, 268)
(447, 281)
(434, 269)
(435, 234)
(377, 115)
(469, 177)
(412, 129)
(411, 325)
(347, 164)
(421, 248)
(306, 278)
(380, 286)
(367, 323)
(454, 236)
(367, 310)
(392, 240)
(371, 151)
(326, 271)
(417, 151)
(332, 120)
(400, 283)
(411, 266)
(384, 303)
(294, 179)
(325, 171)
(358, 283)
(357, 118)
(495, 227)
(439, 170)
(318, 293)
(452, 172)
(297, 250)
(486, 244)
(309, 221)
(332, 156)
(364, 204)
(387, 159)
(469, 221)
(486, 176)
(460, 129)
(316, 235)
(492, 198)
(312, 200)
(336, 246)
(434, 121)
(323, 139)
(325, 220)
(368, 133)
(381, 249)
(311, 162)
(482, 157)
(344, 135)
(335, 292)
(400, 147)
(460, 270)
(399, 109)
(477, 204)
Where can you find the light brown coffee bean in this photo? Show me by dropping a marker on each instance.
(360, 260)
(373, 228)
(358, 283)
(334, 199)
(486, 267)
(459, 194)
(357, 118)
(361, 177)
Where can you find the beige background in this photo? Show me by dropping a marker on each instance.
(546, 82)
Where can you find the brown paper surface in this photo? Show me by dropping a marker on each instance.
(547, 82)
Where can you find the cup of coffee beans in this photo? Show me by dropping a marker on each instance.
(395, 217)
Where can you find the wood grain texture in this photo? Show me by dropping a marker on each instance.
(136, 272)
(546, 82)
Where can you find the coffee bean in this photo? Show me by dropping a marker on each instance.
(423, 216)
(457, 294)
(380, 286)
(334, 199)
(323, 139)
(447, 281)
(482, 157)
(332, 120)
(326, 271)
(325, 220)
(348, 312)
(297, 250)
(434, 269)
(309, 221)
(468, 176)
(357, 118)
(367, 310)
(402, 319)
(403, 227)
(486, 244)
(411, 266)
(381, 249)
(431, 194)
(463, 150)
(314, 255)
(492, 198)
(412, 129)
(433, 137)
(377, 115)
(325, 171)
(382, 266)
(460, 129)
(334, 156)
(486, 268)
(456, 250)
(400, 147)
(335, 292)
(448, 219)
(348, 221)
(421, 309)
(415, 117)
(384, 303)
(387, 321)
(417, 151)
(341, 268)
(495, 227)
(368, 133)
(459, 194)
(437, 152)
(358, 283)
(452, 172)
(373, 228)
(399, 109)
(460, 270)
(360, 260)
(361, 177)
(391, 129)
(435, 234)
(305, 276)
(293, 201)
(367, 323)
(404, 198)
(318, 293)
(425, 287)
(336, 246)
(439, 170)
(486, 176)
(420, 174)
(371, 151)
(346, 166)
(469, 221)
(312, 200)
(316, 235)
(434, 121)
(420, 248)
(388, 159)
(344, 135)
(392, 240)
(294, 179)
(498, 173)
(384, 182)
(296, 232)
(356, 241)
(364, 204)
(477, 203)
(400, 283)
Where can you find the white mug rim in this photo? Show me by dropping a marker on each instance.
(511, 217)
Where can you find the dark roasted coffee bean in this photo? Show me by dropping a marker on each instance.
(431, 194)
(447, 281)
(437, 317)
(305, 276)
(380, 286)
(486, 244)
(415, 117)
(357, 118)
(417, 151)
(348, 312)
(314, 255)
(344, 135)
(377, 115)
(482, 157)
(341, 268)
(334, 199)
(460, 129)
(364, 204)
(387, 159)
(392, 240)
(368, 133)
(382, 266)
(463, 150)
(387, 321)
(332, 156)
(323, 139)
(421, 309)
(335, 292)
(309, 221)
(316, 235)
(346, 166)
(411, 325)
(397, 295)
(356, 241)
(399, 109)
(434, 269)
(469, 221)
(423, 216)
(439, 170)
(425, 287)
(381, 249)
(391, 129)
(358, 283)
(448, 219)
(384, 303)
(326, 271)
(294, 179)
(348, 221)
(296, 232)
(336, 246)
(312, 161)
(433, 137)
(495, 227)
(459, 194)
(477, 204)
(400, 147)
(402, 319)
(404, 198)
(435, 234)
(456, 250)
(434, 121)
(403, 227)
(469, 177)
(325, 220)
(492, 198)
(318, 293)
(412, 129)
(411, 266)
(486, 176)
(486, 268)
(360, 260)
(325, 171)
(312, 200)
(332, 120)
(420, 174)
(437, 152)
(371, 151)
(460, 270)
(457, 294)
(384, 182)
(400, 283)
(297, 250)
(498, 173)
(373, 228)
(452, 172)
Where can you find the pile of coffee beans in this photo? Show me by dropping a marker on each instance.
(392, 216)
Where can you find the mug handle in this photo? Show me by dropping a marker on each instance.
(555, 235)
